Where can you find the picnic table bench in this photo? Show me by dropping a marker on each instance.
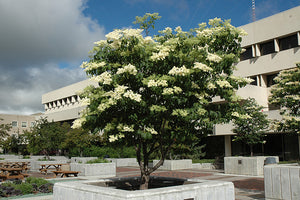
(12, 173)
(65, 173)
(45, 167)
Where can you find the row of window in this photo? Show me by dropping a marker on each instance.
(23, 124)
(263, 80)
(62, 102)
(275, 45)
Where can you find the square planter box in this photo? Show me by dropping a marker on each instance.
(124, 162)
(282, 182)
(175, 164)
(204, 190)
(253, 166)
(102, 170)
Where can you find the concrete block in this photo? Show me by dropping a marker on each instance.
(175, 164)
(102, 170)
(252, 166)
(282, 182)
(123, 162)
(204, 190)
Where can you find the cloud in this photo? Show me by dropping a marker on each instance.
(36, 37)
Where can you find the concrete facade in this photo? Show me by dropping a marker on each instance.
(19, 123)
(282, 182)
(63, 104)
(175, 164)
(103, 170)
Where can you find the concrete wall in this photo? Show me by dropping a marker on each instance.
(253, 166)
(103, 170)
(208, 190)
(123, 162)
(82, 159)
(282, 182)
(175, 164)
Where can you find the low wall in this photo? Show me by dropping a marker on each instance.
(102, 170)
(123, 162)
(282, 182)
(82, 159)
(203, 166)
(175, 164)
(212, 190)
(253, 166)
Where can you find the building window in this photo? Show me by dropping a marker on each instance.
(24, 124)
(288, 42)
(32, 124)
(254, 82)
(14, 124)
(247, 54)
(267, 48)
(270, 79)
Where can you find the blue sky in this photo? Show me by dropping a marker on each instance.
(185, 13)
(43, 42)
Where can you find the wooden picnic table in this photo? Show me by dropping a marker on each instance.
(11, 173)
(45, 167)
(24, 165)
(65, 173)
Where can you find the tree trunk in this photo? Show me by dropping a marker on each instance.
(145, 178)
(251, 150)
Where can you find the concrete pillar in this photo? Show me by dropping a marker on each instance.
(227, 145)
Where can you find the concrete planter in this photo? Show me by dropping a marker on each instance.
(175, 164)
(203, 166)
(82, 159)
(282, 182)
(212, 190)
(253, 166)
(124, 162)
(103, 170)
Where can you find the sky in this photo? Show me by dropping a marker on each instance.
(43, 42)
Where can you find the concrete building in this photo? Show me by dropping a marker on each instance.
(272, 45)
(19, 123)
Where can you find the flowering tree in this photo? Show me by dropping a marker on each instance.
(250, 123)
(155, 92)
(286, 94)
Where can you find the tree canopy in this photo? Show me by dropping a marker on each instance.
(250, 123)
(285, 93)
(158, 91)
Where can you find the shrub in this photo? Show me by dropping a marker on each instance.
(37, 181)
(25, 188)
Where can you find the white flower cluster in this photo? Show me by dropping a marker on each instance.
(167, 31)
(113, 138)
(223, 84)
(151, 130)
(132, 32)
(204, 33)
(162, 53)
(133, 96)
(153, 83)
(170, 91)
(85, 101)
(211, 86)
(125, 128)
(104, 78)
(241, 116)
(92, 65)
(179, 71)
(148, 40)
(180, 112)
(202, 67)
(78, 123)
(213, 57)
(128, 68)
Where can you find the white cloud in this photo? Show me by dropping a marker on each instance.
(35, 36)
